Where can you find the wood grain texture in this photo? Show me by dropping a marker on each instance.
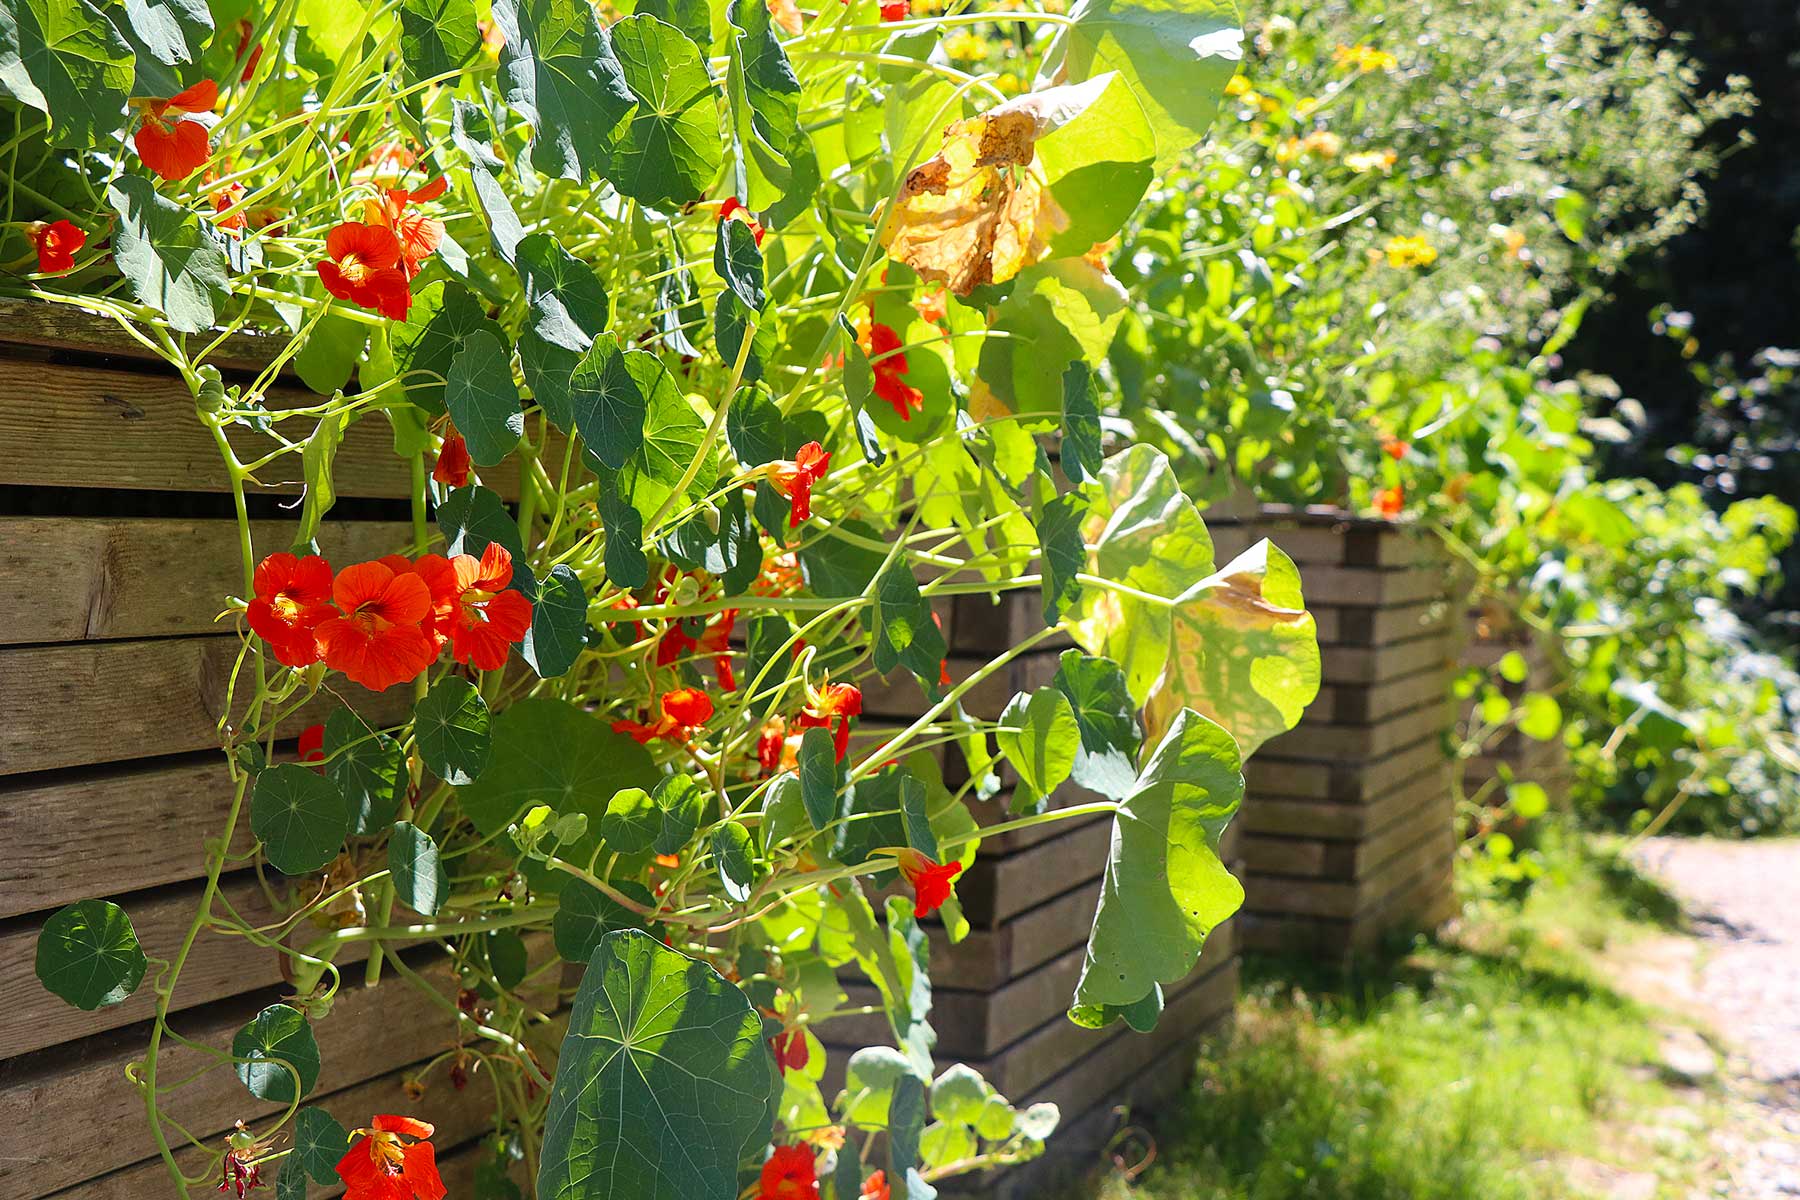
(94, 702)
(149, 577)
(1379, 664)
(1352, 783)
(1337, 821)
(39, 323)
(993, 890)
(1318, 740)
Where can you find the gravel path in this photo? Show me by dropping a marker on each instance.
(1743, 899)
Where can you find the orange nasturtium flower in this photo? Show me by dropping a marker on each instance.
(790, 1174)
(392, 1160)
(795, 479)
(683, 711)
(899, 10)
(453, 461)
(363, 267)
(930, 881)
(378, 641)
(419, 235)
(167, 141)
(889, 364)
(835, 702)
(1389, 501)
(485, 619)
(56, 245)
(293, 595)
(1395, 448)
(875, 1186)
(733, 210)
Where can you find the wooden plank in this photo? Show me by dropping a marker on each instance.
(107, 832)
(993, 890)
(1269, 894)
(1318, 740)
(217, 967)
(1368, 588)
(1385, 626)
(47, 324)
(987, 958)
(82, 703)
(140, 578)
(1379, 664)
(93, 427)
(1340, 822)
(370, 1032)
(1354, 783)
(1360, 704)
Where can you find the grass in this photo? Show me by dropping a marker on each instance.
(1494, 1064)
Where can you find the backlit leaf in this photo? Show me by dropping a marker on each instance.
(558, 69)
(172, 264)
(669, 150)
(1039, 735)
(64, 58)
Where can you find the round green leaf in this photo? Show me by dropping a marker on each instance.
(669, 151)
(64, 58)
(736, 856)
(662, 1083)
(369, 768)
(609, 402)
(631, 822)
(683, 804)
(172, 264)
(420, 882)
(817, 761)
(585, 914)
(300, 817)
(275, 1040)
(558, 623)
(550, 752)
(451, 725)
(1039, 735)
(508, 957)
(319, 1142)
(1542, 717)
(88, 954)
(1529, 800)
(483, 399)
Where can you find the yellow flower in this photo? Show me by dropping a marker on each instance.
(1239, 86)
(963, 46)
(927, 8)
(1320, 142)
(1410, 251)
(1364, 161)
(1010, 84)
(1364, 58)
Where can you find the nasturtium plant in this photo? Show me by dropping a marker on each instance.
(720, 350)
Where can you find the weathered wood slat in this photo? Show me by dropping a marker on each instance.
(1317, 740)
(1347, 899)
(1343, 860)
(142, 578)
(1351, 784)
(992, 891)
(47, 324)
(1379, 664)
(1342, 822)
(82, 703)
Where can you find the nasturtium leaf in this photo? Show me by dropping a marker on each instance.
(165, 37)
(835, 567)
(669, 150)
(775, 161)
(692, 17)
(869, 1079)
(508, 956)
(817, 760)
(1039, 1121)
(1105, 718)
(735, 854)
(609, 403)
(88, 954)
(369, 768)
(1098, 165)
(944, 1143)
(1513, 667)
(960, 1095)
(420, 881)
(453, 729)
(905, 1126)
(315, 465)
(1529, 800)
(683, 804)
(290, 1182)
(732, 319)
(171, 263)
(300, 817)
(1081, 455)
(739, 263)
(905, 634)
(471, 517)
(551, 752)
(328, 357)
(483, 399)
(678, 308)
(662, 1082)
(437, 36)
(559, 71)
(1064, 552)
(438, 325)
(753, 427)
(1165, 886)
(1541, 716)
(1039, 735)
(1244, 650)
(566, 307)
(1141, 1015)
(1067, 310)
(558, 623)
(319, 1142)
(673, 437)
(627, 565)
(1175, 55)
(632, 821)
(585, 914)
(276, 1039)
(65, 58)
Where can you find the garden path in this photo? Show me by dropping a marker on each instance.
(1740, 974)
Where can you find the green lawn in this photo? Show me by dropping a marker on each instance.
(1478, 1067)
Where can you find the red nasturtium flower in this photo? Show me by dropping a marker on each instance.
(312, 744)
(875, 1186)
(683, 711)
(1389, 501)
(889, 364)
(378, 642)
(930, 882)
(1395, 449)
(363, 267)
(835, 702)
(222, 200)
(791, 1053)
(789, 1175)
(453, 461)
(391, 1160)
(167, 141)
(773, 753)
(897, 11)
(795, 479)
(245, 31)
(485, 618)
(56, 245)
(419, 235)
(734, 210)
(293, 595)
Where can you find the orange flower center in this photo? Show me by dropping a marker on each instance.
(285, 606)
(387, 1152)
(473, 604)
(369, 621)
(354, 268)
